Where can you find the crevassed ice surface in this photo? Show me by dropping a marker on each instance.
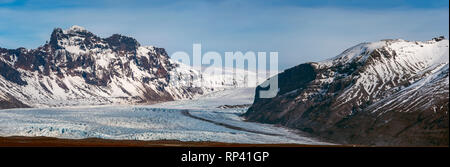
(155, 122)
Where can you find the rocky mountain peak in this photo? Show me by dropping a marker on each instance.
(77, 28)
(72, 31)
(75, 36)
(79, 40)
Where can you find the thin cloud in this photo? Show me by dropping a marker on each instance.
(299, 34)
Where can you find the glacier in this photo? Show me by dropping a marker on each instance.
(162, 121)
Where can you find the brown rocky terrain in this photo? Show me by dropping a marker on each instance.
(17, 141)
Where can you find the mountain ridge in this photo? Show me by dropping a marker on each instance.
(365, 95)
(76, 67)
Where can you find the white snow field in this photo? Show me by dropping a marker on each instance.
(184, 120)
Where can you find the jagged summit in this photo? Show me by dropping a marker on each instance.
(79, 40)
(74, 30)
(77, 28)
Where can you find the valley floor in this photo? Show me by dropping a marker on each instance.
(20, 141)
(193, 122)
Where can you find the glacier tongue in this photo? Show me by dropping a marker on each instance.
(155, 122)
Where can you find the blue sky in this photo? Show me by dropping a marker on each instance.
(301, 31)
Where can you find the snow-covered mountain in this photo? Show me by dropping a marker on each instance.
(390, 92)
(76, 67)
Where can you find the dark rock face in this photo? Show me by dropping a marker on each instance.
(11, 102)
(289, 81)
(348, 100)
(11, 74)
(292, 79)
(122, 43)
